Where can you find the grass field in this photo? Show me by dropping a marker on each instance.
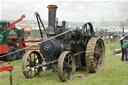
(115, 72)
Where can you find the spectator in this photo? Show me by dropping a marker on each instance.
(121, 43)
(121, 39)
(124, 50)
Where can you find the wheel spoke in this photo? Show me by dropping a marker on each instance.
(68, 59)
(97, 53)
(27, 65)
(29, 70)
(30, 58)
(100, 51)
(31, 73)
(68, 75)
(34, 58)
(35, 70)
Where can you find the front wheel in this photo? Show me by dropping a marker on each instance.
(21, 54)
(66, 66)
(13, 56)
(30, 60)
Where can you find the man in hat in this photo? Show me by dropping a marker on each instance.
(124, 50)
(121, 39)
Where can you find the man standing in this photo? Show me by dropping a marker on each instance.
(121, 39)
(124, 50)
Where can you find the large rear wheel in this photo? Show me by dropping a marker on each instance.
(95, 55)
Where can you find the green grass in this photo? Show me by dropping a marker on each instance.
(115, 72)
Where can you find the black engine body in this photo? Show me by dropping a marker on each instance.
(74, 41)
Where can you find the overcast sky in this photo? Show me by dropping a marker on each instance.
(69, 10)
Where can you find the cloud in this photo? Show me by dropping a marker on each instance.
(68, 10)
(0, 9)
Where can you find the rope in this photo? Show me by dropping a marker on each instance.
(79, 53)
(40, 65)
(38, 43)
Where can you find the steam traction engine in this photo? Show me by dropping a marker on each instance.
(11, 39)
(76, 48)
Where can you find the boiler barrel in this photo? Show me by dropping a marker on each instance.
(51, 48)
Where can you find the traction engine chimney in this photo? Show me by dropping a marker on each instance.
(52, 15)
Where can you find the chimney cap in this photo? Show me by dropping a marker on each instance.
(52, 7)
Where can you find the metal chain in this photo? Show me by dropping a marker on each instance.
(40, 65)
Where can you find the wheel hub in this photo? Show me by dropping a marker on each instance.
(32, 64)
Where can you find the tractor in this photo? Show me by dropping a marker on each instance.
(11, 39)
(65, 49)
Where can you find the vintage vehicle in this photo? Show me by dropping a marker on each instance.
(75, 48)
(11, 39)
